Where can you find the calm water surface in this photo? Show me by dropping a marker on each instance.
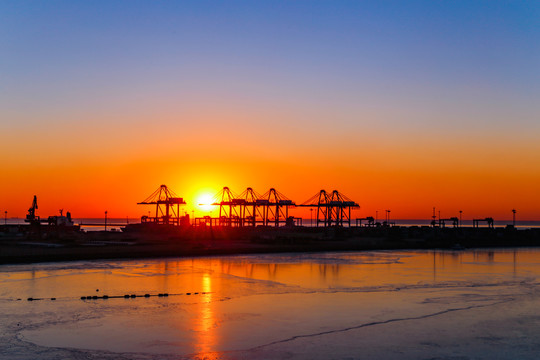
(480, 304)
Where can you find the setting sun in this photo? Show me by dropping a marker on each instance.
(205, 201)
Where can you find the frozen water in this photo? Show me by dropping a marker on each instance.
(475, 304)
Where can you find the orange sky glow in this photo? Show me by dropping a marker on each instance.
(434, 109)
(409, 179)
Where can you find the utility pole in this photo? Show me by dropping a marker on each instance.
(460, 223)
(106, 220)
(514, 217)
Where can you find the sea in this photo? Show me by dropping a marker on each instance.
(430, 304)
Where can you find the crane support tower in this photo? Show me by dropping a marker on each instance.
(167, 207)
(250, 209)
(275, 207)
(332, 209)
(230, 208)
(251, 212)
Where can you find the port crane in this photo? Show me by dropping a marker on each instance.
(31, 216)
(370, 221)
(249, 208)
(230, 208)
(167, 204)
(489, 221)
(454, 220)
(251, 212)
(332, 209)
(275, 207)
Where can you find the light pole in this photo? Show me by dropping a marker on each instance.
(311, 217)
(514, 217)
(376, 216)
(106, 220)
(460, 223)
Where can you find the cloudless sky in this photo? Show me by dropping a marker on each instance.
(399, 104)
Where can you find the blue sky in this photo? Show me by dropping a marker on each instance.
(299, 48)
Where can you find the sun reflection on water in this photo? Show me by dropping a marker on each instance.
(206, 322)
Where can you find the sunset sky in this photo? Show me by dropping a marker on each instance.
(401, 105)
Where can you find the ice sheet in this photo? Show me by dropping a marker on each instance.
(376, 305)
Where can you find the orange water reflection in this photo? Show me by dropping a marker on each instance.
(376, 269)
(264, 295)
(205, 324)
(223, 276)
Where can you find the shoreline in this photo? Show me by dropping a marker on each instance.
(194, 242)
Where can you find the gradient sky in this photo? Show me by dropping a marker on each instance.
(401, 105)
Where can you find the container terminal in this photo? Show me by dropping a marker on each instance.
(247, 223)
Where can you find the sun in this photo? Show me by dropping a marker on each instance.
(205, 201)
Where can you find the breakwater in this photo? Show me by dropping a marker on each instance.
(141, 241)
